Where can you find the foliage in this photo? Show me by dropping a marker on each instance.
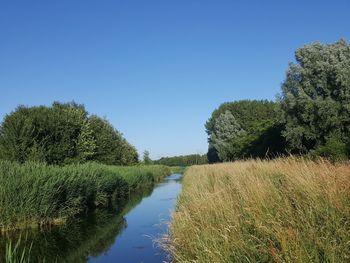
(15, 254)
(334, 149)
(315, 99)
(62, 134)
(311, 116)
(33, 193)
(183, 160)
(285, 210)
(226, 130)
(146, 158)
(244, 129)
(112, 148)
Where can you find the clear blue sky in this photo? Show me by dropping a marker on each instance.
(156, 69)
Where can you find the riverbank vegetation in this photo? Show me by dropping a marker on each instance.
(310, 117)
(90, 235)
(284, 210)
(34, 194)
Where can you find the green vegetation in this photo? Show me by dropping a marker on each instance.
(183, 160)
(15, 254)
(315, 100)
(244, 129)
(311, 115)
(90, 235)
(285, 210)
(178, 169)
(62, 134)
(146, 159)
(40, 194)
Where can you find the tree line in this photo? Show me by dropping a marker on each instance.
(310, 116)
(183, 160)
(63, 133)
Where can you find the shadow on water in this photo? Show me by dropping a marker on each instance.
(84, 237)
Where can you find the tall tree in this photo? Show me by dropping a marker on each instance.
(146, 158)
(315, 99)
(226, 129)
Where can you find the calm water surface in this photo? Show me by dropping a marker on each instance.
(145, 222)
(125, 234)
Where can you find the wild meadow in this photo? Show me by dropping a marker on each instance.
(284, 210)
(34, 194)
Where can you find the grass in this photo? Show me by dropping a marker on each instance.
(33, 194)
(15, 254)
(285, 210)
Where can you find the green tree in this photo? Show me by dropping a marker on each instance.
(146, 158)
(111, 147)
(183, 160)
(243, 129)
(86, 145)
(61, 134)
(315, 99)
(226, 129)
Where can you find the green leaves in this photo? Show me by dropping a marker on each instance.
(316, 95)
(244, 129)
(62, 134)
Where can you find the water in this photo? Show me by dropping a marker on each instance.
(126, 234)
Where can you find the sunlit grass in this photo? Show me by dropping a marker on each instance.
(285, 210)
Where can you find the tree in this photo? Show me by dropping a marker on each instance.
(315, 99)
(111, 147)
(61, 134)
(226, 128)
(183, 160)
(146, 158)
(243, 129)
(86, 144)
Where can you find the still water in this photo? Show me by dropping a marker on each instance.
(125, 234)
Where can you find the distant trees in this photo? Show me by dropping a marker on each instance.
(315, 100)
(61, 134)
(183, 160)
(311, 116)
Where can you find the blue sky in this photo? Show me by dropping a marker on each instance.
(156, 69)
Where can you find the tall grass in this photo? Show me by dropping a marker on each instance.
(15, 254)
(34, 194)
(285, 210)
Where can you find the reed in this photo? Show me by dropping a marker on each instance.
(34, 194)
(285, 210)
(14, 253)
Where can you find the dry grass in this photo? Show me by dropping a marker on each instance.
(285, 210)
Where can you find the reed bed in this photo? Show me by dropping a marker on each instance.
(33, 194)
(284, 210)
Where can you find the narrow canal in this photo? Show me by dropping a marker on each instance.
(144, 224)
(126, 233)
